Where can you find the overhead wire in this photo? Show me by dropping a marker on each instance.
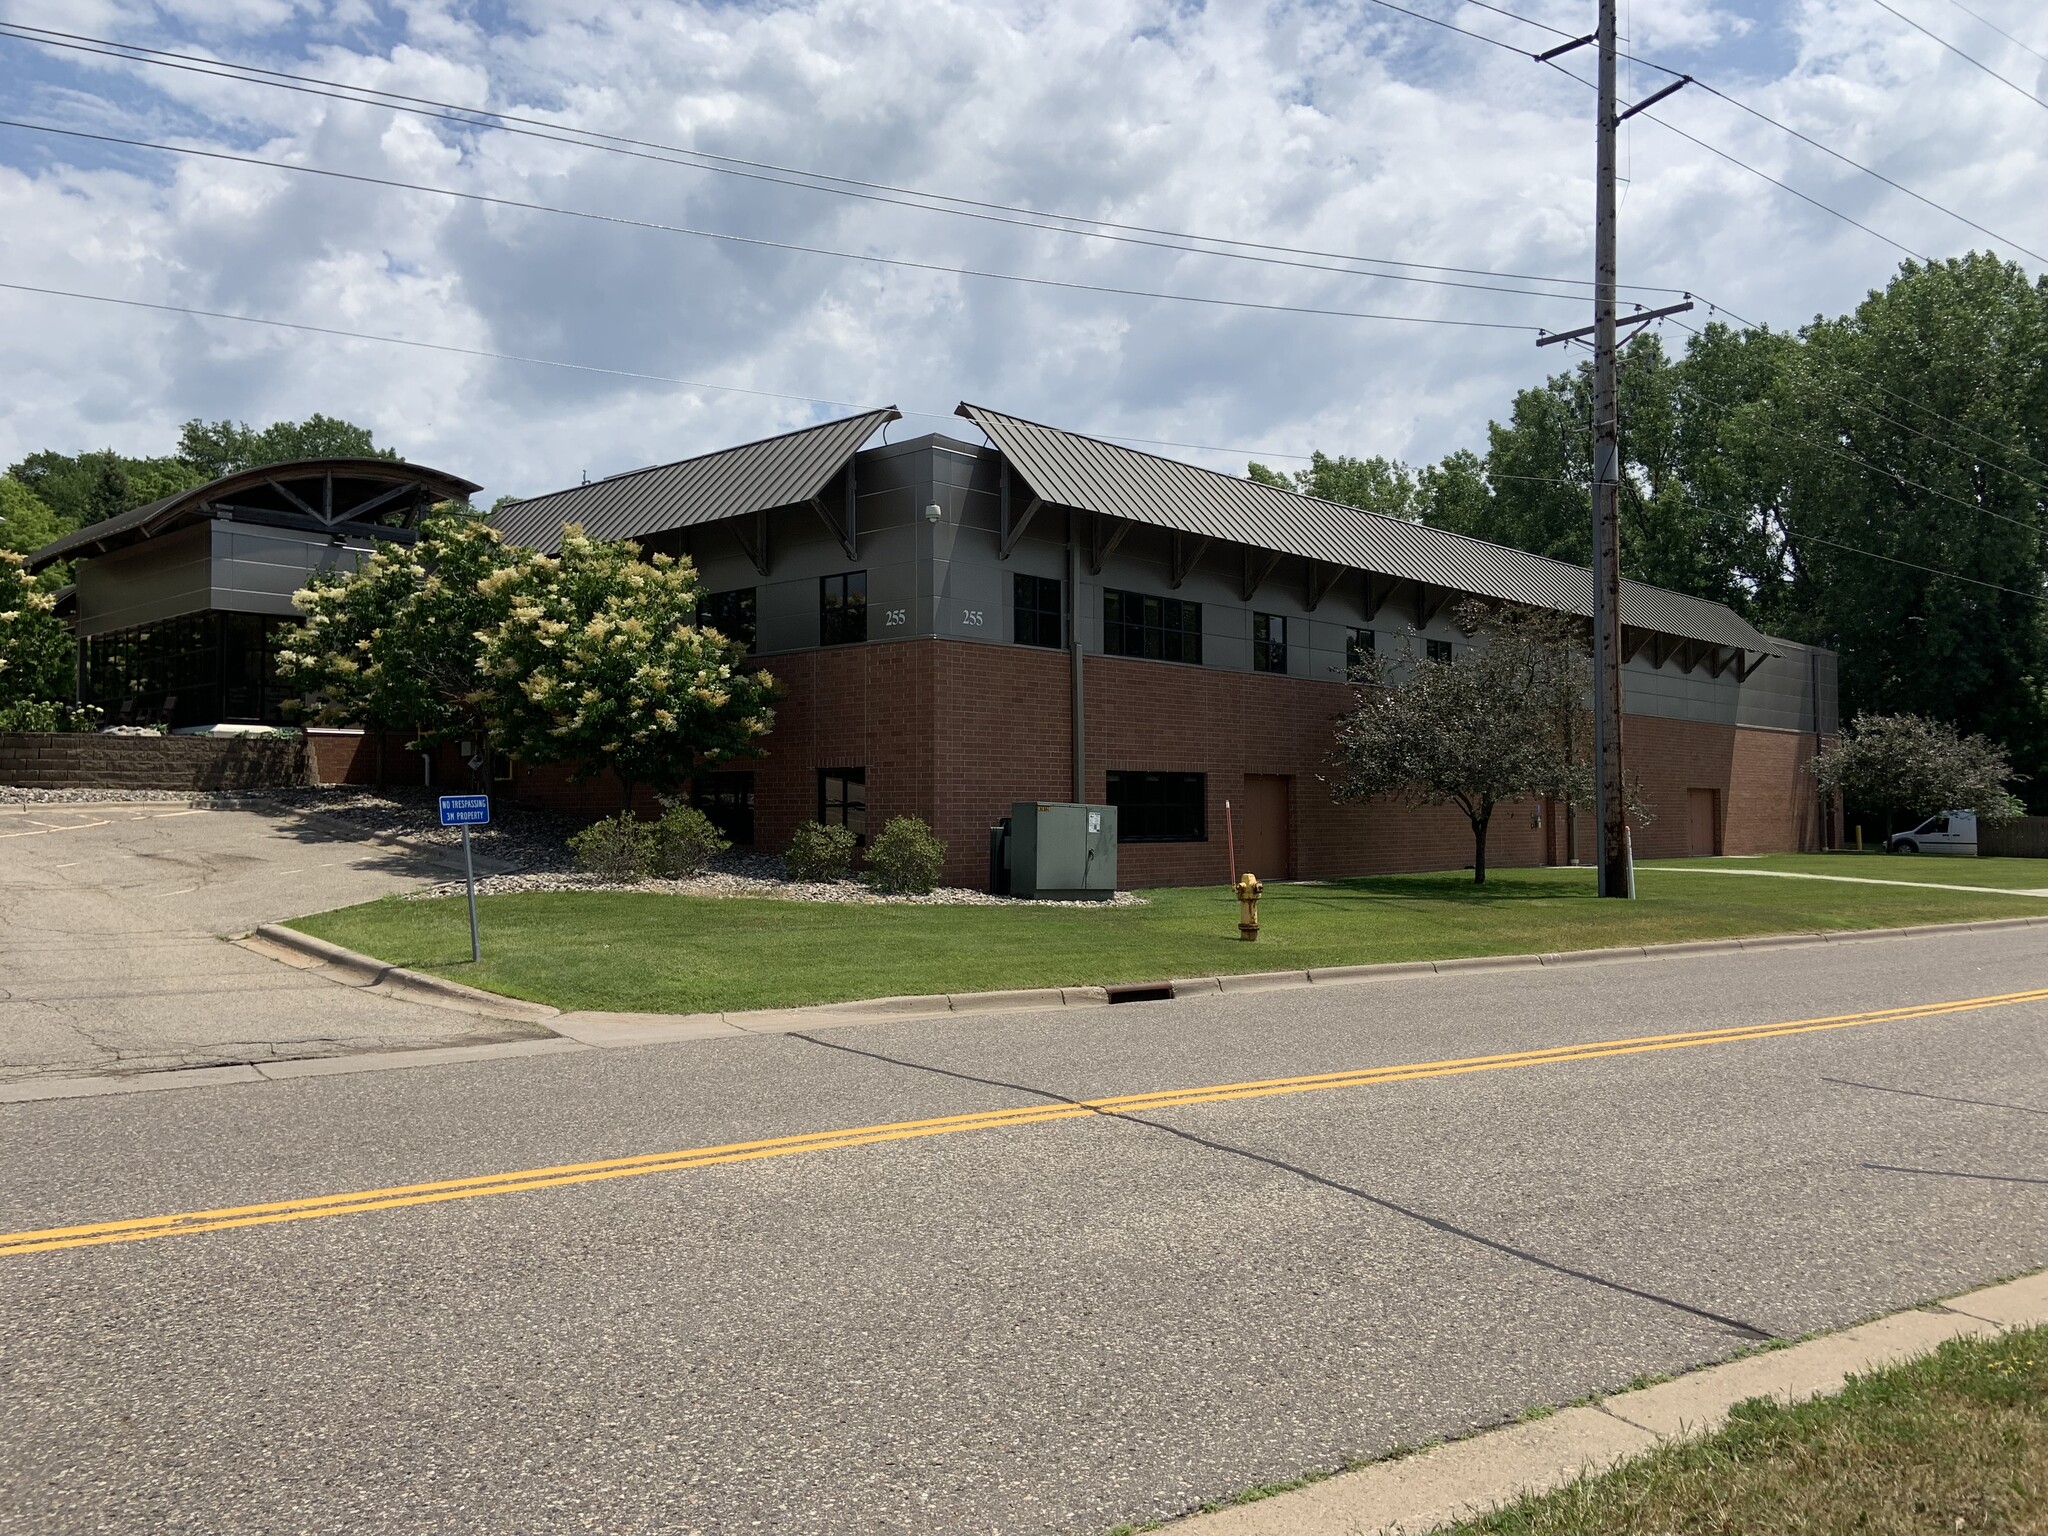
(346, 334)
(756, 170)
(762, 243)
(1884, 5)
(1994, 26)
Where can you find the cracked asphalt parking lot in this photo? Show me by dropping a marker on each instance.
(112, 960)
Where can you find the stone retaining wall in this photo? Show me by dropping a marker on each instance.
(84, 760)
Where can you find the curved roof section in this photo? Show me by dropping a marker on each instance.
(313, 491)
(1068, 470)
(753, 477)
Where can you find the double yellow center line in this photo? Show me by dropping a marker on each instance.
(187, 1222)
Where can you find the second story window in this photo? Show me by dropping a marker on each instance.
(1163, 628)
(730, 613)
(843, 609)
(1269, 643)
(1358, 645)
(1035, 604)
(1437, 650)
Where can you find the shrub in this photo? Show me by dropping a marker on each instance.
(619, 848)
(48, 715)
(683, 841)
(819, 852)
(906, 859)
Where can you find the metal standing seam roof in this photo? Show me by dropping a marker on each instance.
(157, 516)
(1068, 470)
(753, 477)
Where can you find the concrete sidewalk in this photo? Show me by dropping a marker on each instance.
(1467, 1478)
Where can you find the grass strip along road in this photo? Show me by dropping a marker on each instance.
(647, 952)
(188, 1223)
(1954, 1441)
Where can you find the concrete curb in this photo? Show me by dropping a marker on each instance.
(583, 1030)
(1466, 1478)
(625, 1029)
(364, 972)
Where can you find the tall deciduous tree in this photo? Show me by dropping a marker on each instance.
(216, 448)
(397, 643)
(36, 650)
(600, 662)
(1503, 720)
(1905, 765)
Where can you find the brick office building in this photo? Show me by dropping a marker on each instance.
(1054, 617)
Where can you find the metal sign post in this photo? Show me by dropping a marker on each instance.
(466, 811)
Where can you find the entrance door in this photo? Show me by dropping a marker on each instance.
(1263, 844)
(1702, 807)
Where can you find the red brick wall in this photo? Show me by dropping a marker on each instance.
(350, 757)
(954, 731)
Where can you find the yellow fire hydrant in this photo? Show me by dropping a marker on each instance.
(1248, 889)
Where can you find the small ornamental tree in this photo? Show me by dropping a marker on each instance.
(37, 653)
(1503, 720)
(396, 643)
(599, 662)
(1908, 765)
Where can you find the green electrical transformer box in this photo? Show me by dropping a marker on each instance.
(1062, 852)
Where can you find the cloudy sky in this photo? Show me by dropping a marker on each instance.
(1320, 130)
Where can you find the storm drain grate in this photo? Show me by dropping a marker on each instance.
(1141, 992)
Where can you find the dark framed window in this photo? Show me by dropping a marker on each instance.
(1269, 643)
(1358, 645)
(196, 669)
(843, 799)
(727, 800)
(1163, 628)
(730, 613)
(843, 609)
(1437, 650)
(1160, 807)
(1035, 602)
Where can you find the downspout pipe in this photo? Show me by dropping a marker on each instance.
(1077, 685)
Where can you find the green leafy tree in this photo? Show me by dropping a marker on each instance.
(600, 662)
(91, 487)
(37, 654)
(1909, 766)
(1501, 721)
(26, 521)
(396, 643)
(1377, 484)
(216, 448)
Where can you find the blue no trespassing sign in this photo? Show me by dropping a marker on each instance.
(465, 810)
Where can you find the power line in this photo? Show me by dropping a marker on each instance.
(1882, 388)
(754, 170)
(759, 243)
(1896, 186)
(1861, 462)
(1968, 58)
(1994, 26)
(552, 362)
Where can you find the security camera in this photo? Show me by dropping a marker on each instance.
(932, 513)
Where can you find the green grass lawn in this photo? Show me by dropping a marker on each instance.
(2002, 874)
(670, 954)
(1954, 1441)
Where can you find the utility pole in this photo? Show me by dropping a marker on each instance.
(1617, 872)
(1615, 861)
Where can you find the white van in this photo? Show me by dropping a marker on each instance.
(1951, 832)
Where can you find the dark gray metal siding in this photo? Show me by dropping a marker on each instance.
(754, 477)
(1067, 470)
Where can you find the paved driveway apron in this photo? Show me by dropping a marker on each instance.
(1023, 1328)
(111, 957)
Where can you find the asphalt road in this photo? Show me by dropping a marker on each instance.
(111, 921)
(1045, 1327)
